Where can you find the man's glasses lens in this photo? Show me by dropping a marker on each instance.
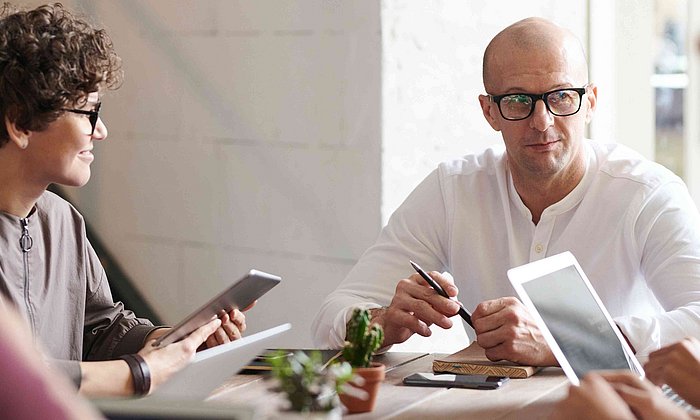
(560, 102)
(516, 106)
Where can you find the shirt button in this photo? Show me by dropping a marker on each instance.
(539, 248)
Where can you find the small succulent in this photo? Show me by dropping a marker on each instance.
(362, 339)
(308, 383)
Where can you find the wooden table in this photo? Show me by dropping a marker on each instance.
(519, 398)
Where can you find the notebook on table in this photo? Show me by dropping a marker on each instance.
(183, 395)
(472, 360)
(573, 320)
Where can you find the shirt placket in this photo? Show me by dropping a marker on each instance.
(541, 238)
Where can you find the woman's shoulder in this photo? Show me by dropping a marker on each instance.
(51, 206)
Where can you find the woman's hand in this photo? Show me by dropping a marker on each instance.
(231, 329)
(163, 362)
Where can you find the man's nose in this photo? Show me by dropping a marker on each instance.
(541, 119)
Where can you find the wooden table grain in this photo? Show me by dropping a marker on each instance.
(533, 397)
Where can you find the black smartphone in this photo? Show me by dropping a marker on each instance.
(455, 381)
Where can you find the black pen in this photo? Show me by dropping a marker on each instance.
(462, 312)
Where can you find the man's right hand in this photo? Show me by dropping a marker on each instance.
(415, 307)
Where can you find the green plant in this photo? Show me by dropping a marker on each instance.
(310, 385)
(362, 339)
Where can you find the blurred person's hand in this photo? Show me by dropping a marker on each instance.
(594, 398)
(643, 397)
(678, 366)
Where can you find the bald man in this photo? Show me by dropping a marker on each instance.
(630, 222)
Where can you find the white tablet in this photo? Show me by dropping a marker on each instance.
(571, 316)
(239, 295)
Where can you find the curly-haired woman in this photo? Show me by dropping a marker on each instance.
(54, 67)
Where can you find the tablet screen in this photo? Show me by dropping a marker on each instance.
(577, 322)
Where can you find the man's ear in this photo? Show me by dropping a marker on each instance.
(592, 98)
(490, 110)
(18, 136)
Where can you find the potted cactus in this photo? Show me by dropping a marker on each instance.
(362, 340)
(311, 387)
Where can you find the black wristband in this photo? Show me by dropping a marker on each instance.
(140, 373)
(146, 372)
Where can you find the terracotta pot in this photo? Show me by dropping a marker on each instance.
(373, 377)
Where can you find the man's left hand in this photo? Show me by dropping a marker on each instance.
(505, 329)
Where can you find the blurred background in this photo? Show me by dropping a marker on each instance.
(281, 135)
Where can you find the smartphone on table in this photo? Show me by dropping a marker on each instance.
(455, 381)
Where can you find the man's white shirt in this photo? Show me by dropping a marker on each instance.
(630, 223)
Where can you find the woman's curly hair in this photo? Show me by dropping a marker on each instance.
(50, 59)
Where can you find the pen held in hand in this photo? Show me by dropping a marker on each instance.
(462, 312)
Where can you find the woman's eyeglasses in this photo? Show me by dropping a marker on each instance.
(92, 115)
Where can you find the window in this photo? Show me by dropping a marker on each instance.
(670, 81)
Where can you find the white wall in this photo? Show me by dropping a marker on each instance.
(245, 135)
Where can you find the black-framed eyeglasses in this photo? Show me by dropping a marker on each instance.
(559, 102)
(93, 115)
